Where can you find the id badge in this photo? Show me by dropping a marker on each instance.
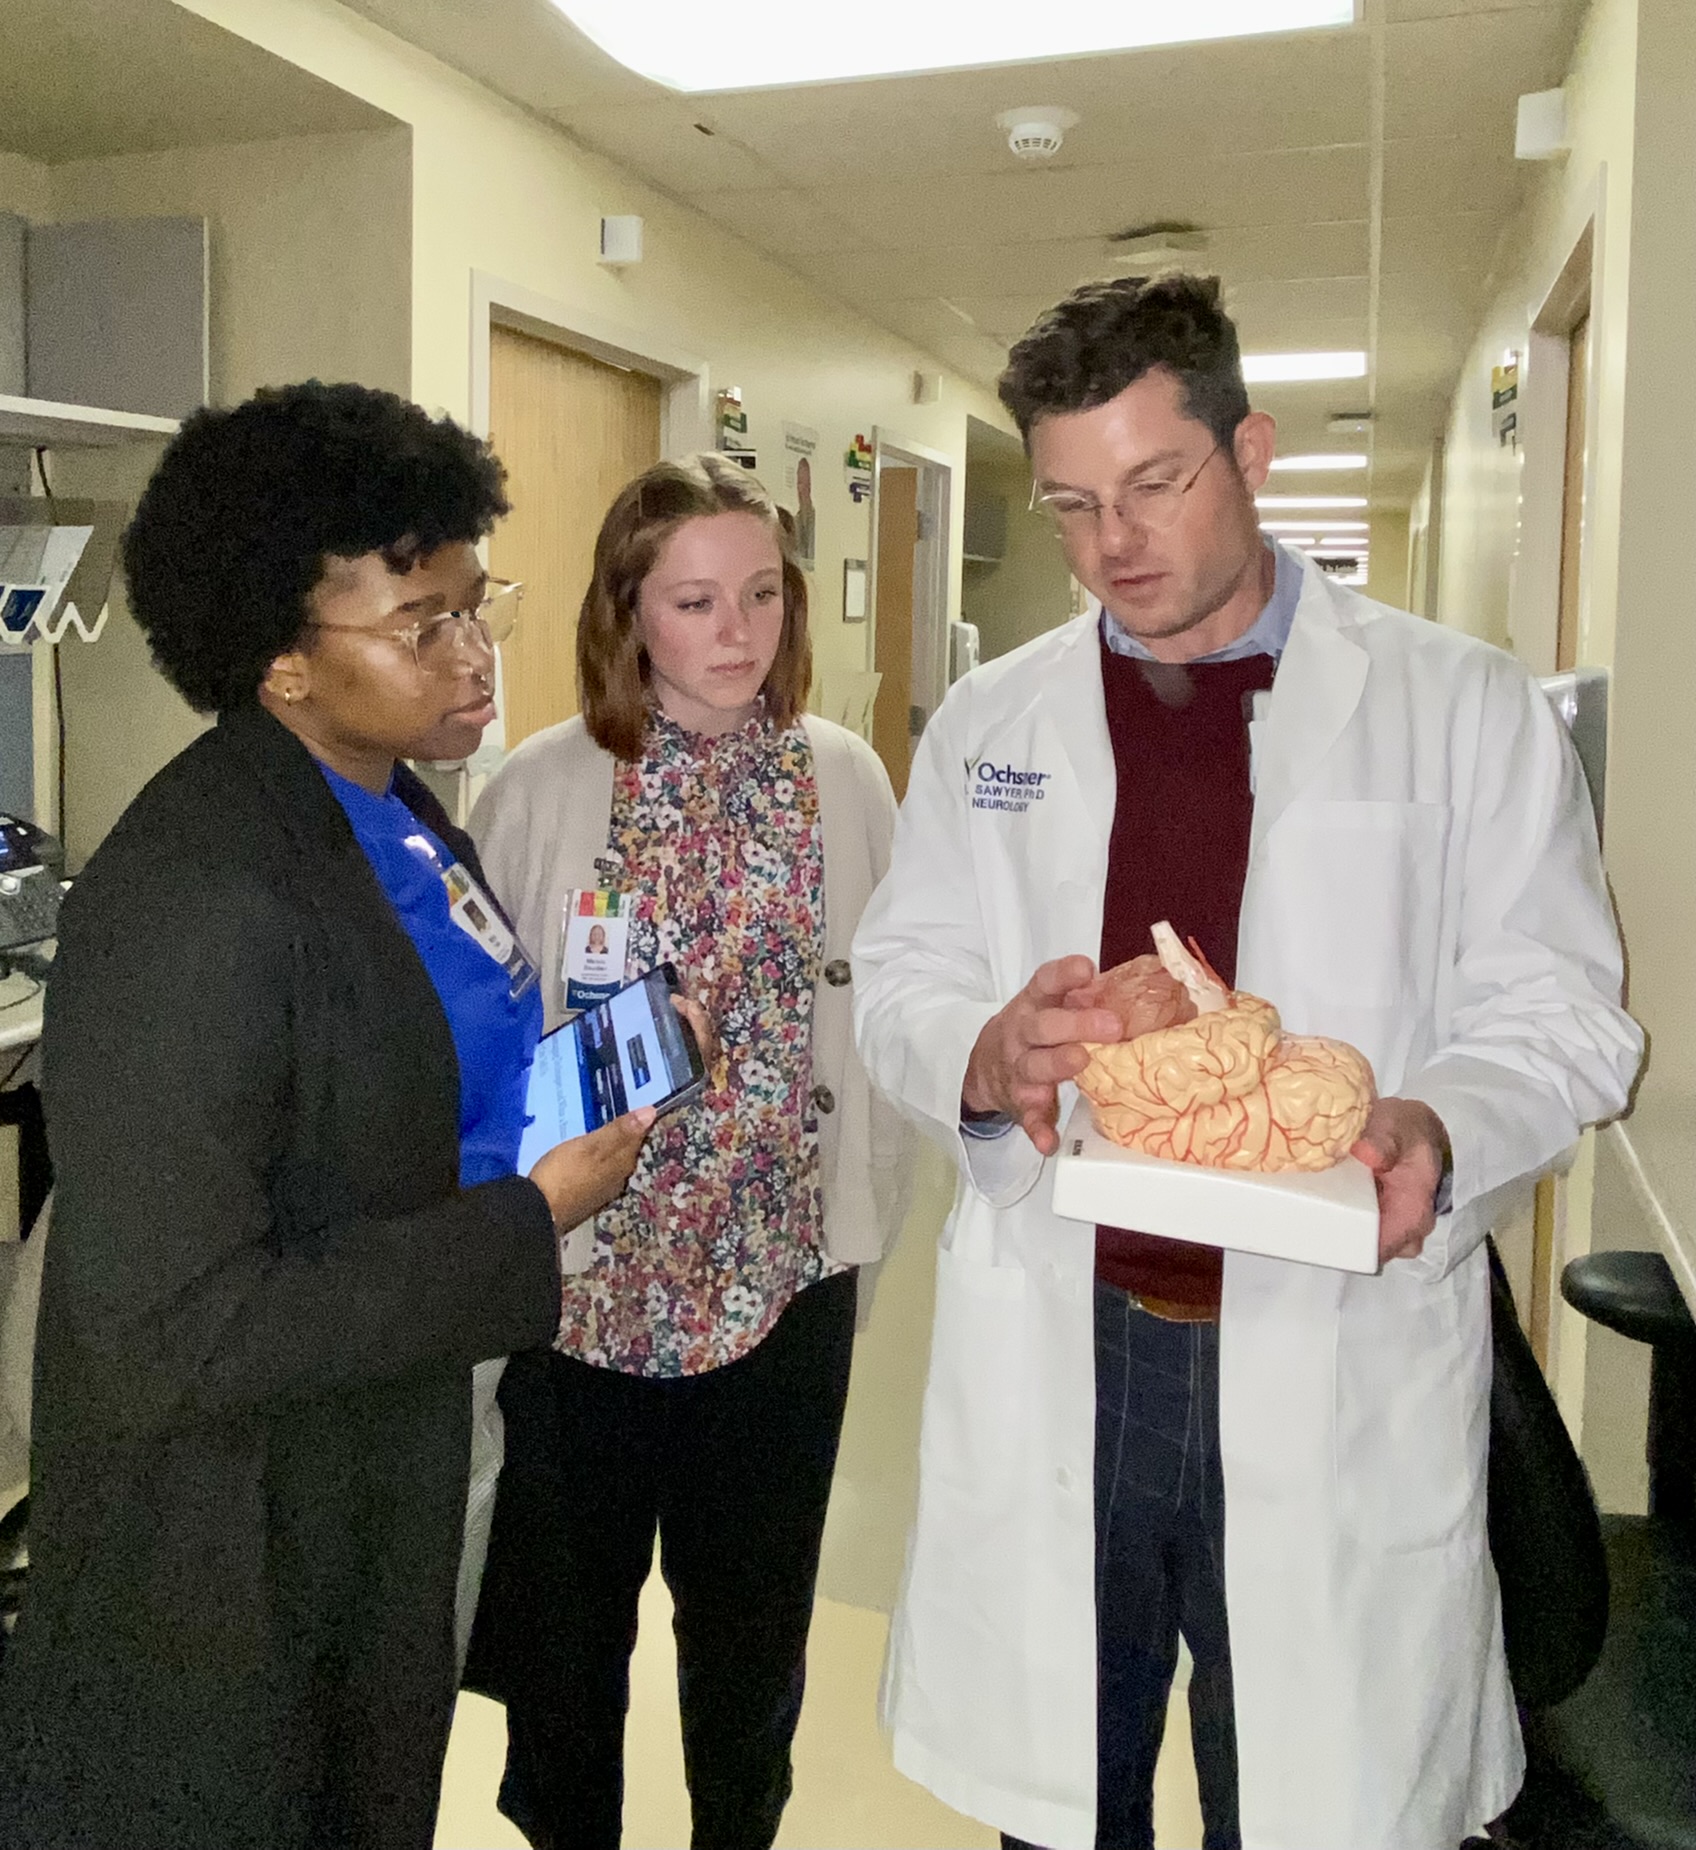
(596, 941)
(475, 912)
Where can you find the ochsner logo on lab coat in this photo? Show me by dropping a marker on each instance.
(1003, 786)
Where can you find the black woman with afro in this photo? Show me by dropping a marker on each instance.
(284, 1064)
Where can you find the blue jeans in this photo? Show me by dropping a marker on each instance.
(1160, 1568)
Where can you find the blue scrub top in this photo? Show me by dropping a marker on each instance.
(494, 1035)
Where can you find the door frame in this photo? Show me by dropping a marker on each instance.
(686, 405)
(1571, 293)
(1574, 290)
(931, 560)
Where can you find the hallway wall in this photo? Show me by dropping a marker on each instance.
(1632, 102)
(1479, 511)
(1387, 567)
(1652, 772)
(26, 186)
(1029, 591)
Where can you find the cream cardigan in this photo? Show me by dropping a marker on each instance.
(542, 822)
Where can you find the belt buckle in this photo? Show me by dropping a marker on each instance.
(1169, 1312)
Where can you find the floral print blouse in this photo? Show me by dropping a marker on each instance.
(718, 839)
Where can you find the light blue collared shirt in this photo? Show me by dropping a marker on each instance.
(1267, 635)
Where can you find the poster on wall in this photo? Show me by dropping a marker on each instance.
(857, 467)
(731, 421)
(800, 445)
(1504, 401)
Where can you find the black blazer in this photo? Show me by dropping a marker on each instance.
(264, 1294)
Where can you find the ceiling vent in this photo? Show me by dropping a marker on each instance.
(1166, 244)
(1349, 423)
(1036, 132)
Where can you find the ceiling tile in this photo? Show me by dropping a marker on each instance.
(1442, 173)
(1446, 244)
(1399, 11)
(526, 49)
(1047, 268)
(1314, 314)
(1288, 188)
(1411, 301)
(1051, 266)
(1294, 186)
(780, 220)
(661, 142)
(936, 329)
(1006, 316)
(1217, 76)
(1463, 75)
(820, 146)
(1292, 330)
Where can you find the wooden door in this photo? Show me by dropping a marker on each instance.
(897, 541)
(571, 432)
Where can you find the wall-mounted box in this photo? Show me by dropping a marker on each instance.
(116, 314)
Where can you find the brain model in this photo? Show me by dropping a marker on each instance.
(1205, 1074)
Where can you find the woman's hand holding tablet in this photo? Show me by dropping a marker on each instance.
(579, 1177)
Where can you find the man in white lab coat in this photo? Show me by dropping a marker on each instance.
(1379, 825)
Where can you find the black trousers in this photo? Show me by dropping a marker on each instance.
(732, 1470)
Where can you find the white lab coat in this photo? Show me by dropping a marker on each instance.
(1423, 882)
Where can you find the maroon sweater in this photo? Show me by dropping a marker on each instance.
(1179, 851)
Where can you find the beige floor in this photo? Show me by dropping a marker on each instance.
(846, 1791)
(847, 1794)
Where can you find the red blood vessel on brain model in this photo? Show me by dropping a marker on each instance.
(1206, 1075)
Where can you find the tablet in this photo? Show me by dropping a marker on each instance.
(633, 1049)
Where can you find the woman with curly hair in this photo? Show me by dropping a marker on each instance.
(284, 1062)
(695, 1390)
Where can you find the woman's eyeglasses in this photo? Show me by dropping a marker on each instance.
(436, 641)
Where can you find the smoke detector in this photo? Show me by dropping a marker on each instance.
(1161, 245)
(1036, 132)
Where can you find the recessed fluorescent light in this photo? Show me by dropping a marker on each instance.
(1317, 464)
(760, 43)
(1315, 526)
(1300, 541)
(1293, 368)
(1312, 501)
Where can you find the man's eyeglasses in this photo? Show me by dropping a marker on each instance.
(1153, 506)
(435, 641)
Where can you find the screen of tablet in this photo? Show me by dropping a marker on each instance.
(633, 1049)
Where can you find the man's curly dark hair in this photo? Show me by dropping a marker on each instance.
(1106, 336)
(232, 532)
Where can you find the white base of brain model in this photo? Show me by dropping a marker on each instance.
(1206, 1075)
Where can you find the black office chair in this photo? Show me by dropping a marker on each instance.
(20, 1106)
(1613, 1766)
